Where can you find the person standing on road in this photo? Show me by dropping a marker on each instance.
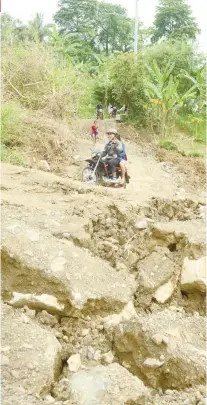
(94, 132)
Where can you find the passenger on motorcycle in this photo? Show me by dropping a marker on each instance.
(111, 151)
(123, 158)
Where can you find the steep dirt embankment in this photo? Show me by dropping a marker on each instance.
(103, 289)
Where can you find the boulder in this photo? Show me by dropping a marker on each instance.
(58, 268)
(156, 278)
(155, 270)
(193, 275)
(40, 302)
(44, 165)
(181, 349)
(191, 234)
(103, 385)
(33, 355)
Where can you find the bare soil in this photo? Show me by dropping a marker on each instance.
(94, 299)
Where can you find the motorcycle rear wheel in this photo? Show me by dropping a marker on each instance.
(89, 177)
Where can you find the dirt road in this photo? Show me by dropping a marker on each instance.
(149, 178)
(103, 290)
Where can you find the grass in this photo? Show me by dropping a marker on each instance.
(11, 156)
(193, 125)
(167, 144)
(12, 118)
(12, 125)
(192, 153)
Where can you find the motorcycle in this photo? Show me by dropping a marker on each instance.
(100, 115)
(97, 172)
(114, 112)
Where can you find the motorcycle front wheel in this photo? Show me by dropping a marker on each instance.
(89, 177)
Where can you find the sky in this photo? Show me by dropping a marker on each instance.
(25, 9)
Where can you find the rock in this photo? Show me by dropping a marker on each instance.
(193, 276)
(175, 231)
(131, 259)
(44, 165)
(128, 313)
(107, 358)
(30, 345)
(153, 363)
(153, 272)
(160, 265)
(84, 332)
(111, 384)
(202, 211)
(184, 364)
(159, 339)
(49, 399)
(41, 302)
(164, 292)
(141, 223)
(97, 355)
(74, 363)
(120, 266)
(61, 270)
(91, 353)
(31, 313)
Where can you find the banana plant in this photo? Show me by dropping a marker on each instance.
(162, 90)
(198, 79)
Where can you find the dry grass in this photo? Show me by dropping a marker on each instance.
(47, 139)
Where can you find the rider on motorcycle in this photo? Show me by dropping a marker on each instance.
(99, 109)
(111, 151)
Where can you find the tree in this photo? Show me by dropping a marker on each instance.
(13, 30)
(104, 26)
(77, 17)
(38, 31)
(174, 20)
(114, 30)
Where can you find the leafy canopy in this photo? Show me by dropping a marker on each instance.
(174, 20)
(104, 26)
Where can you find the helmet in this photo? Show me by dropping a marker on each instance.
(112, 131)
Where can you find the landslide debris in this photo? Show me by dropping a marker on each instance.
(104, 300)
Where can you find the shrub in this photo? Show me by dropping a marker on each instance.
(12, 116)
(193, 125)
(36, 77)
(167, 144)
(11, 156)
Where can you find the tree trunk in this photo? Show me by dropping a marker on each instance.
(107, 44)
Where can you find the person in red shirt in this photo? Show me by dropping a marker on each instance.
(94, 132)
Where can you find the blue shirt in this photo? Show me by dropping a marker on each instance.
(123, 153)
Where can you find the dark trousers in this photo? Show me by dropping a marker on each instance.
(112, 164)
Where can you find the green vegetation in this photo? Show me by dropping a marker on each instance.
(86, 56)
(193, 125)
(167, 144)
(174, 20)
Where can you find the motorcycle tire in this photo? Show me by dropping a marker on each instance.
(88, 176)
